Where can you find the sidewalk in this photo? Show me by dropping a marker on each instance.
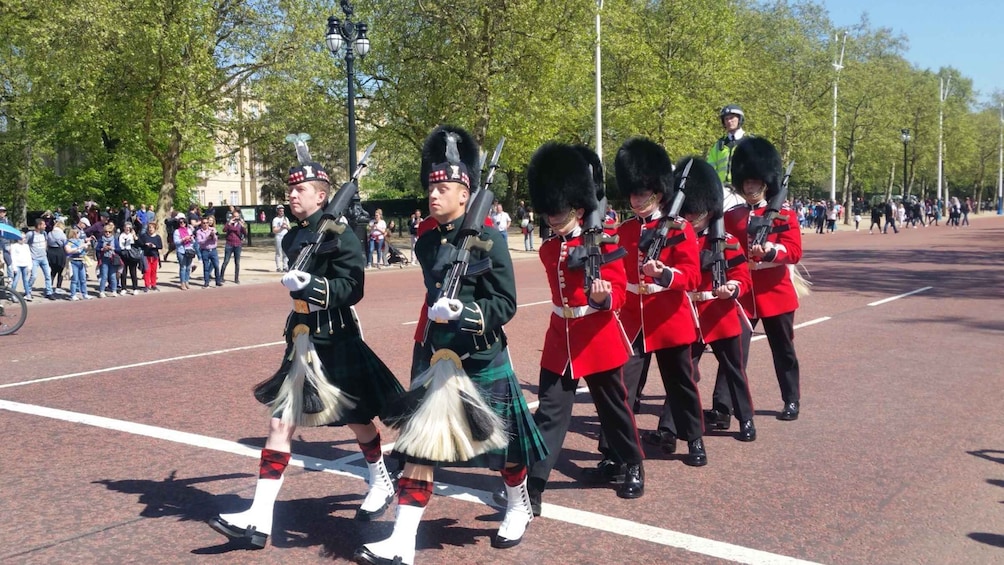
(257, 267)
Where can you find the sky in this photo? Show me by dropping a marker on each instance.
(964, 34)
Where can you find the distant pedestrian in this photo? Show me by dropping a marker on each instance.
(502, 221)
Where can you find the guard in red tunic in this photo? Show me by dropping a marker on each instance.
(756, 172)
(584, 339)
(724, 278)
(657, 315)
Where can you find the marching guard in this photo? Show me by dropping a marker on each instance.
(328, 375)
(756, 173)
(460, 342)
(725, 276)
(584, 339)
(657, 315)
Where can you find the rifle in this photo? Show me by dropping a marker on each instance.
(332, 212)
(719, 267)
(760, 226)
(659, 240)
(469, 234)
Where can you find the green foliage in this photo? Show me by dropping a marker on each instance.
(109, 100)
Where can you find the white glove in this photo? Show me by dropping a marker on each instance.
(296, 280)
(445, 310)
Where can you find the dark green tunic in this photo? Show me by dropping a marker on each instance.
(489, 302)
(337, 284)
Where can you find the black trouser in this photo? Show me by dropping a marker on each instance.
(681, 411)
(780, 332)
(890, 222)
(732, 389)
(874, 224)
(554, 414)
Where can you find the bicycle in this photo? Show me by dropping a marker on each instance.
(13, 308)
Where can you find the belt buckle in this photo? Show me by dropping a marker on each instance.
(301, 307)
(643, 288)
(567, 313)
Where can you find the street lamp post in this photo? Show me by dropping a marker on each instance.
(1000, 168)
(351, 35)
(838, 65)
(599, 107)
(904, 134)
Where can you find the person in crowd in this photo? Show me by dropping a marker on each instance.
(377, 253)
(4, 243)
(132, 258)
(527, 225)
(20, 265)
(413, 223)
(151, 243)
(890, 216)
(108, 262)
(39, 257)
(347, 384)
(501, 221)
(55, 254)
(76, 250)
(194, 217)
(184, 246)
(877, 211)
(280, 227)
(206, 240)
(235, 231)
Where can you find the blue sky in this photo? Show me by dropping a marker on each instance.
(964, 34)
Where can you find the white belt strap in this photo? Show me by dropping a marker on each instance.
(650, 288)
(702, 295)
(754, 266)
(569, 312)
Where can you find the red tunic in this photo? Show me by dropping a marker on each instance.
(719, 317)
(665, 316)
(773, 291)
(592, 342)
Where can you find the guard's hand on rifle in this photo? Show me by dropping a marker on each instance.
(653, 269)
(763, 252)
(599, 293)
(445, 310)
(296, 280)
(727, 290)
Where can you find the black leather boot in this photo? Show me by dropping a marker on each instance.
(747, 432)
(634, 482)
(697, 457)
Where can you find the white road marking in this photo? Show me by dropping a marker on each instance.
(884, 300)
(616, 526)
(797, 326)
(415, 322)
(143, 364)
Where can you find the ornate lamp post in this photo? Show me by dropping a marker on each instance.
(904, 134)
(351, 35)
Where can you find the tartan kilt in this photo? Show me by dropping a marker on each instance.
(353, 367)
(496, 381)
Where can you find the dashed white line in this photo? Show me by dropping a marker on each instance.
(143, 364)
(890, 299)
(616, 526)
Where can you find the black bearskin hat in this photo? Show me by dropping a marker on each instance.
(642, 165)
(563, 177)
(756, 158)
(703, 190)
(437, 156)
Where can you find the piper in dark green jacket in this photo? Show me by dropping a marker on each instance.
(328, 375)
(466, 329)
